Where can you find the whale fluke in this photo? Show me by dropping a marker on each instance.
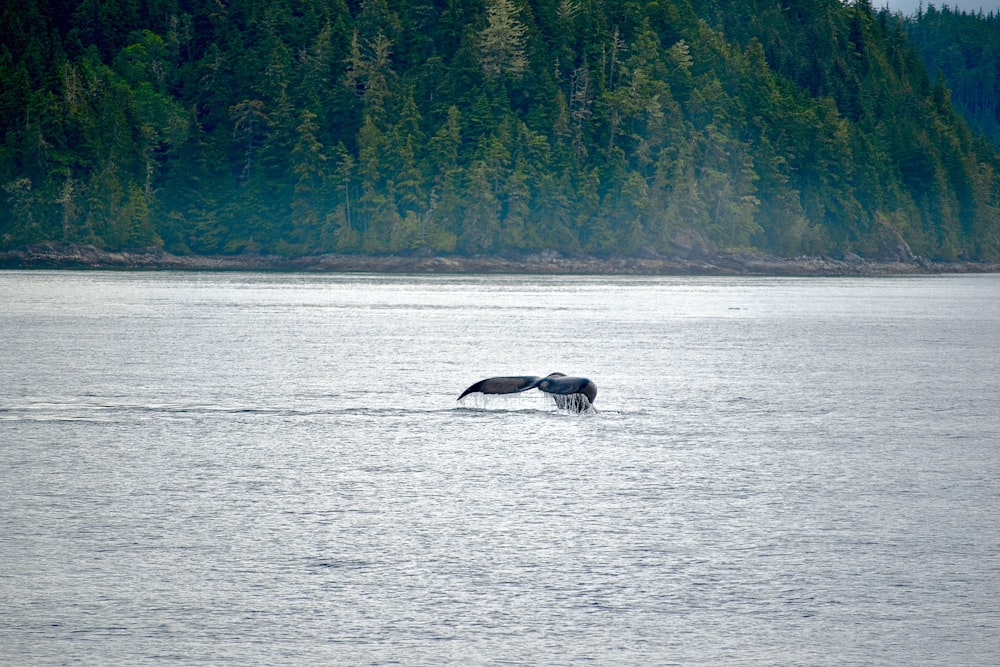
(502, 385)
(569, 393)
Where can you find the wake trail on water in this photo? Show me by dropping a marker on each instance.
(111, 411)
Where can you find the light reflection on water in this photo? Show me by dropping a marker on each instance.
(258, 469)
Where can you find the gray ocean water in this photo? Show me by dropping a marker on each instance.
(251, 469)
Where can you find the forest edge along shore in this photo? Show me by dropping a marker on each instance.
(60, 256)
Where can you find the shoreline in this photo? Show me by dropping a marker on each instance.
(57, 256)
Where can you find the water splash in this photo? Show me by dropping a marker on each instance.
(575, 403)
(529, 400)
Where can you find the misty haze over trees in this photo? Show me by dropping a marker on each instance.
(490, 126)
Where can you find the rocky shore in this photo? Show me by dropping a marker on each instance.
(56, 256)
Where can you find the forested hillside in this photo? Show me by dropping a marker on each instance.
(965, 48)
(483, 126)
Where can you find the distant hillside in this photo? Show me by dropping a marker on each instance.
(965, 48)
(484, 127)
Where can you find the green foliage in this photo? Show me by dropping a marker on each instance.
(965, 48)
(302, 126)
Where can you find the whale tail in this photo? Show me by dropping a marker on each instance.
(576, 394)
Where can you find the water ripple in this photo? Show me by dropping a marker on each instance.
(256, 469)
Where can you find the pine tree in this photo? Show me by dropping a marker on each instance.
(502, 41)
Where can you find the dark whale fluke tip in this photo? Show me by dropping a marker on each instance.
(502, 385)
(570, 393)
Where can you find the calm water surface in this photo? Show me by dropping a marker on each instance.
(238, 469)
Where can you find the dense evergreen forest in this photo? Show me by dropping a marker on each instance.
(965, 48)
(483, 126)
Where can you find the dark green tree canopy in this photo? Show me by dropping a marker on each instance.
(488, 126)
(964, 48)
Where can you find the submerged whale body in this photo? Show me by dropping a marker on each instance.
(570, 393)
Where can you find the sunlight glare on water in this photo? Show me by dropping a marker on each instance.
(236, 469)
